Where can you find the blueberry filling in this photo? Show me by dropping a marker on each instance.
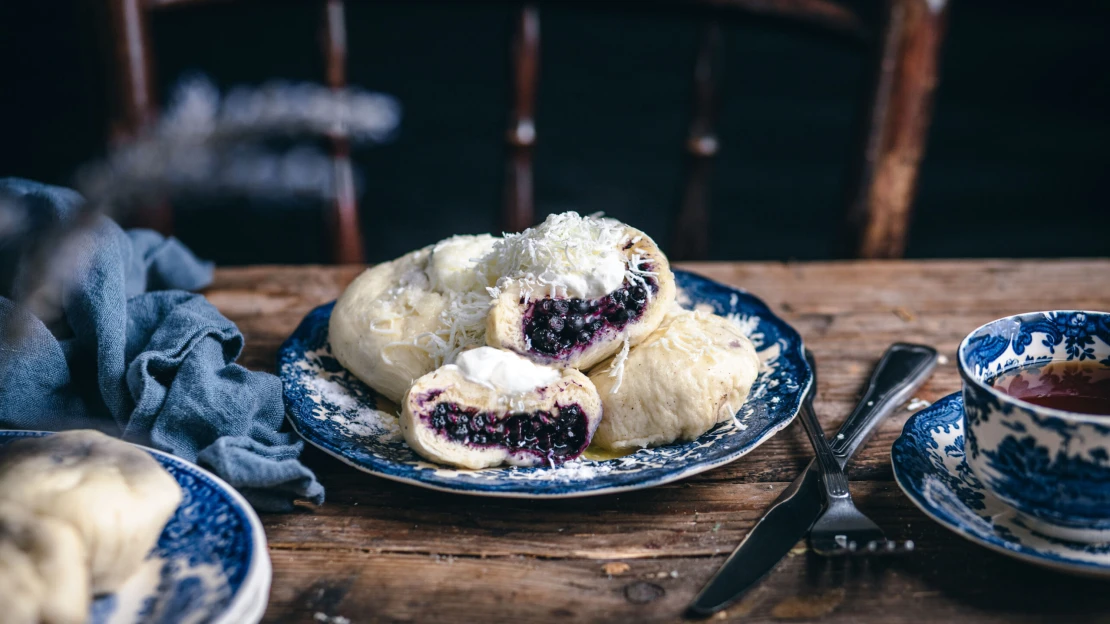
(557, 327)
(555, 437)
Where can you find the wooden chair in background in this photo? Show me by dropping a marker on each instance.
(905, 42)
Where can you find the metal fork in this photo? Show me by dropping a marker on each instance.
(841, 529)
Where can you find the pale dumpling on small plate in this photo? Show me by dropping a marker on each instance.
(115, 496)
(694, 371)
(44, 576)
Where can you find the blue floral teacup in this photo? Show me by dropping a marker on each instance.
(1052, 466)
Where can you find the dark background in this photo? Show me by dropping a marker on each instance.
(1015, 163)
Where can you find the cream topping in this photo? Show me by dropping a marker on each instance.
(565, 256)
(504, 370)
(452, 266)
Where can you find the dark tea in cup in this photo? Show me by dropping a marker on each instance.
(1082, 387)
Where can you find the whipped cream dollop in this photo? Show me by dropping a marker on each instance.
(453, 263)
(567, 255)
(504, 370)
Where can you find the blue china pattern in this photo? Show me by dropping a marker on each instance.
(930, 467)
(199, 564)
(1075, 331)
(336, 412)
(1050, 465)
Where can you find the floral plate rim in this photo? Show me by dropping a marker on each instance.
(250, 601)
(947, 413)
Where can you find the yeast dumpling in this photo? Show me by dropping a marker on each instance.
(574, 290)
(693, 372)
(400, 320)
(115, 495)
(493, 407)
(44, 578)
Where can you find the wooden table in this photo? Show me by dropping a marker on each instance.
(379, 551)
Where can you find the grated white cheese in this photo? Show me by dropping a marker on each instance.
(748, 324)
(565, 256)
(616, 368)
(355, 415)
(462, 324)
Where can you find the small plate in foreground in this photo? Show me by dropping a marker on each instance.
(210, 565)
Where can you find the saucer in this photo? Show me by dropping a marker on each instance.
(929, 466)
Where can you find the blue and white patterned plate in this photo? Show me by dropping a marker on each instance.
(210, 566)
(336, 412)
(333, 410)
(929, 466)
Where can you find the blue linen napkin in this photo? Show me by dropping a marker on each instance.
(137, 356)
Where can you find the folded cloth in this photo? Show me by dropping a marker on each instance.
(135, 355)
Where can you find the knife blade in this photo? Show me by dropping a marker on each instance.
(900, 372)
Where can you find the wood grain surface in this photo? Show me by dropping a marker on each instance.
(379, 551)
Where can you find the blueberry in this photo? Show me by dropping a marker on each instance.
(580, 305)
(596, 325)
(619, 317)
(575, 322)
(545, 305)
(555, 323)
(618, 297)
(555, 434)
(583, 337)
(637, 293)
(560, 306)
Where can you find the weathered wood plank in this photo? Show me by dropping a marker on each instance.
(948, 583)
(693, 518)
(379, 551)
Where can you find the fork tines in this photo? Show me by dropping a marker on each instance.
(843, 548)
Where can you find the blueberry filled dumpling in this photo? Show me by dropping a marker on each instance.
(575, 290)
(494, 407)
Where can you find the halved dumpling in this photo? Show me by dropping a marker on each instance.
(494, 407)
(398, 320)
(694, 371)
(576, 306)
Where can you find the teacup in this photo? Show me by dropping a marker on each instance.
(1052, 466)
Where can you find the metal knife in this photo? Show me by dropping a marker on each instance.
(901, 371)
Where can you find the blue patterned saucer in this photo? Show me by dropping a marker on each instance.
(210, 566)
(929, 466)
(336, 412)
